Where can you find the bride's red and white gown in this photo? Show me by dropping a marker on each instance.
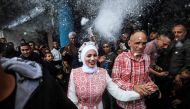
(86, 89)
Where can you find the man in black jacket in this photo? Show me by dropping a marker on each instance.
(179, 50)
(176, 59)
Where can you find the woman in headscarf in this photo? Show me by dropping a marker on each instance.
(87, 83)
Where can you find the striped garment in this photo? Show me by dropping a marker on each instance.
(127, 72)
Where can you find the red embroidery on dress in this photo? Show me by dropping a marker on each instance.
(89, 87)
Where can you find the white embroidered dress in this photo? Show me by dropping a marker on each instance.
(86, 89)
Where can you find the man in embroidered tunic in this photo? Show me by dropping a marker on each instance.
(130, 71)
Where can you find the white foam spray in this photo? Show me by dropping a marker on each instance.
(112, 13)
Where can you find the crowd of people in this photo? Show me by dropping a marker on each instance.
(135, 72)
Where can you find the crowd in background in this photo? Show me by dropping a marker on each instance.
(169, 69)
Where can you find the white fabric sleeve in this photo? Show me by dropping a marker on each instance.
(118, 93)
(71, 91)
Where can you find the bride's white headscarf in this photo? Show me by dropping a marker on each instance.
(82, 53)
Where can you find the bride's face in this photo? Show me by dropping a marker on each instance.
(91, 58)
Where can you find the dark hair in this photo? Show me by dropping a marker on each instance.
(22, 41)
(7, 50)
(105, 42)
(45, 54)
(24, 44)
(166, 33)
(180, 22)
(31, 42)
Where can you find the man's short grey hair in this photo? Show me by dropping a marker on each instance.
(72, 34)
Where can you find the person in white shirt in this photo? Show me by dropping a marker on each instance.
(55, 51)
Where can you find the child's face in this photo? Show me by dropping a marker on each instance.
(48, 57)
(106, 48)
